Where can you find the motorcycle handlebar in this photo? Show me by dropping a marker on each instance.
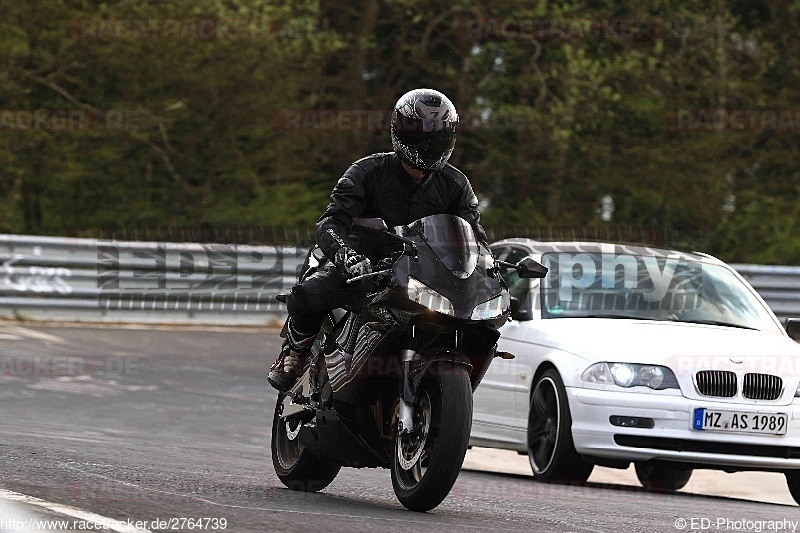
(409, 249)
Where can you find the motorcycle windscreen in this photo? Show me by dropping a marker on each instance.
(453, 241)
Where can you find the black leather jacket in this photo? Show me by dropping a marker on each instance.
(378, 186)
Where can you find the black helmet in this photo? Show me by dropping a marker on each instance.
(424, 123)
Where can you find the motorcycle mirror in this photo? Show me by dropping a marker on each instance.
(528, 268)
(793, 328)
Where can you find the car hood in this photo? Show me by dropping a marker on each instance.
(682, 344)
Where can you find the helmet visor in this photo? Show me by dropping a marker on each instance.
(429, 135)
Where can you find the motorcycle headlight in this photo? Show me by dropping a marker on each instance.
(631, 375)
(491, 309)
(424, 295)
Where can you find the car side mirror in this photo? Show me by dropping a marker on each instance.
(793, 328)
(528, 268)
(518, 313)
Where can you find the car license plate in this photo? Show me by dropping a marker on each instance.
(740, 422)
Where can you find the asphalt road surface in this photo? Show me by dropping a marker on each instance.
(173, 424)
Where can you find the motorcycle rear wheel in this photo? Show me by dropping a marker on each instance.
(295, 466)
(426, 465)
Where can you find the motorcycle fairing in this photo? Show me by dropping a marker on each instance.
(348, 442)
(345, 427)
(450, 262)
(451, 239)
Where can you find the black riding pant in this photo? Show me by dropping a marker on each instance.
(319, 293)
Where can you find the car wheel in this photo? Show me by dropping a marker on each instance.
(793, 480)
(551, 450)
(661, 477)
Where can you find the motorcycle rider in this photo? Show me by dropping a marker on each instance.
(401, 186)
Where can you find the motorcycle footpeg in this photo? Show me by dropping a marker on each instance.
(299, 399)
(308, 405)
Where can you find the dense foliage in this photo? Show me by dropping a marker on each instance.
(673, 121)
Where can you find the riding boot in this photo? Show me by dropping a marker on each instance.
(287, 367)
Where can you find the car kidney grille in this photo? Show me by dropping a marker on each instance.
(719, 383)
(762, 387)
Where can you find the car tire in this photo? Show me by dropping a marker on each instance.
(551, 450)
(660, 477)
(793, 480)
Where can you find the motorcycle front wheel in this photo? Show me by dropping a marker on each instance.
(425, 464)
(295, 466)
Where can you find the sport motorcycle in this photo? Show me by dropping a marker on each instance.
(389, 382)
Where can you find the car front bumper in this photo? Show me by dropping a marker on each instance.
(672, 438)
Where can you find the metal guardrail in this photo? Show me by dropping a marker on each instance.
(160, 282)
(779, 286)
(121, 281)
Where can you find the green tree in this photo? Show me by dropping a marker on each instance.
(577, 119)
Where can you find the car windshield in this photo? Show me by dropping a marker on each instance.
(667, 288)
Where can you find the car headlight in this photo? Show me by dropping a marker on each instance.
(424, 295)
(797, 392)
(491, 309)
(631, 375)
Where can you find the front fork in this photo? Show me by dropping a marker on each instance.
(408, 390)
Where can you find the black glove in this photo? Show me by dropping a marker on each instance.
(353, 263)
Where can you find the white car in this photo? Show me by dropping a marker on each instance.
(667, 359)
